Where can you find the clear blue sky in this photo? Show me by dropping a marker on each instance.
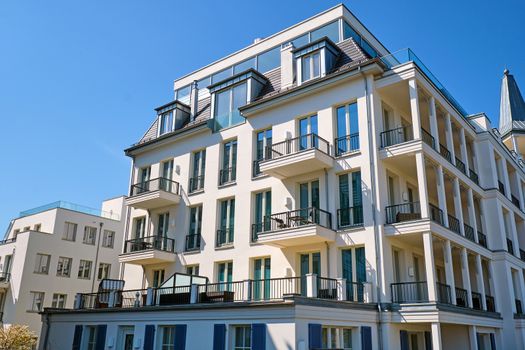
(79, 80)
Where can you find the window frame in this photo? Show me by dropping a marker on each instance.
(104, 269)
(36, 301)
(246, 335)
(38, 264)
(66, 236)
(108, 235)
(90, 235)
(59, 298)
(83, 266)
(61, 260)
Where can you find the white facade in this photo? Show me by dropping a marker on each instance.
(385, 198)
(40, 267)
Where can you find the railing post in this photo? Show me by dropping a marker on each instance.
(247, 290)
(111, 299)
(311, 285)
(150, 294)
(194, 293)
(341, 289)
(367, 292)
(78, 301)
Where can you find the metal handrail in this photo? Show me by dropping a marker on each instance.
(346, 144)
(157, 184)
(296, 218)
(396, 136)
(296, 145)
(162, 243)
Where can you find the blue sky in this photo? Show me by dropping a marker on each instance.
(79, 80)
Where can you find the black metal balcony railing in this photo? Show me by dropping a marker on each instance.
(276, 288)
(327, 288)
(515, 201)
(443, 293)
(196, 184)
(482, 239)
(346, 144)
(158, 184)
(461, 297)
(355, 291)
(403, 212)
(298, 144)
(476, 301)
(193, 242)
(453, 224)
(396, 136)
(522, 254)
(445, 153)
(501, 187)
(519, 308)
(474, 176)
(150, 242)
(409, 292)
(5, 276)
(427, 138)
(491, 306)
(348, 217)
(295, 218)
(227, 175)
(256, 168)
(224, 236)
(436, 214)
(461, 166)
(510, 246)
(469, 232)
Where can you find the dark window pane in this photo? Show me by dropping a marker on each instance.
(204, 83)
(300, 41)
(269, 60)
(245, 65)
(183, 92)
(349, 32)
(219, 76)
(330, 30)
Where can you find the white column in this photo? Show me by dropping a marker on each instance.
(429, 266)
(422, 184)
(473, 337)
(414, 108)
(463, 147)
(458, 208)
(341, 289)
(311, 285)
(450, 138)
(505, 174)
(433, 122)
(436, 336)
(441, 192)
(472, 213)
(449, 270)
(480, 282)
(465, 275)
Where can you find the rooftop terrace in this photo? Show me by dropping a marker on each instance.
(70, 206)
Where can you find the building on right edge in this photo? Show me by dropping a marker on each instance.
(316, 191)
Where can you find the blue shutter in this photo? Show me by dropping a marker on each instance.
(219, 336)
(258, 336)
(180, 337)
(366, 338)
(492, 341)
(403, 339)
(149, 337)
(314, 336)
(100, 343)
(77, 337)
(428, 341)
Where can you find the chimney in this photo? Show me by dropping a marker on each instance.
(194, 100)
(257, 40)
(287, 66)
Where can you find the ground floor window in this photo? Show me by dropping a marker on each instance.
(59, 300)
(168, 338)
(336, 338)
(242, 337)
(91, 341)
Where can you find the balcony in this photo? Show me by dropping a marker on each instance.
(227, 176)
(469, 232)
(196, 184)
(474, 176)
(515, 201)
(346, 144)
(148, 250)
(482, 239)
(5, 278)
(224, 237)
(501, 187)
(445, 153)
(461, 297)
(409, 292)
(510, 246)
(193, 243)
(436, 214)
(155, 193)
(296, 227)
(428, 138)
(403, 212)
(491, 305)
(454, 224)
(350, 217)
(297, 156)
(461, 166)
(396, 136)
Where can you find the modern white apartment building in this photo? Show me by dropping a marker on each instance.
(315, 191)
(51, 252)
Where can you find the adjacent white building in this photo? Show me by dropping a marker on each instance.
(315, 191)
(51, 252)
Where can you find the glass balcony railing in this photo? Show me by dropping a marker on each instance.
(227, 120)
(406, 55)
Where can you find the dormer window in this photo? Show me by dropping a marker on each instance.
(172, 116)
(315, 60)
(166, 122)
(311, 66)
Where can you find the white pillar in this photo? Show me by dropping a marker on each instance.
(473, 337)
(441, 192)
(436, 336)
(433, 122)
(480, 282)
(449, 270)
(414, 108)
(429, 266)
(422, 184)
(465, 275)
(150, 296)
(311, 285)
(458, 208)
(463, 148)
(247, 286)
(472, 212)
(341, 289)
(450, 138)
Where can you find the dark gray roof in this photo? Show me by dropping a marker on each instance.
(512, 105)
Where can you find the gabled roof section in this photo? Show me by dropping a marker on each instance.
(512, 105)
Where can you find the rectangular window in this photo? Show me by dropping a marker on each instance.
(108, 239)
(90, 235)
(347, 129)
(263, 210)
(64, 266)
(227, 103)
(143, 182)
(103, 271)
(84, 269)
(244, 65)
(336, 338)
(228, 172)
(158, 278)
(225, 275)
(59, 301)
(269, 60)
(140, 227)
(42, 263)
(192, 270)
(70, 231)
(350, 200)
(91, 339)
(37, 301)
(168, 338)
(167, 175)
(193, 239)
(226, 229)
(166, 123)
(199, 167)
(311, 66)
(330, 30)
(263, 146)
(354, 271)
(163, 224)
(261, 276)
(242, 335)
